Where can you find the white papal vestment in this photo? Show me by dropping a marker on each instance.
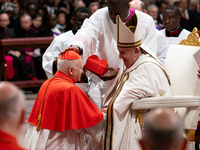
(145, 79)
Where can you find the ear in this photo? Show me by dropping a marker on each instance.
(70, 71)
(137, 51)
(141, 142)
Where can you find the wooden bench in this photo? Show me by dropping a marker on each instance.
(19, 43)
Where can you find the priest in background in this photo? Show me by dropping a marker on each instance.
(173, 32)
(141, 76)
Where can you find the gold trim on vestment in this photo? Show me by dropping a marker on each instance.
(114, 89)
(41, 106)
(113, 95)
(127, 45)
(109, 117)
(128, 25)
(190, 135)
(158, 66)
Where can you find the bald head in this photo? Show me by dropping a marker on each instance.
(138, 5)
(153, 11)
(64, 64)
(11, 100)
(72, 68)
(163, 128)
(163, 119)
(12, 108)
(7, 90)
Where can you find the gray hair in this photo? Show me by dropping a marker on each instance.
(150, 6)
(165, 131)
(27, 15)
(64, 64)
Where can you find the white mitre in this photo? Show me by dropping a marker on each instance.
(128, 35)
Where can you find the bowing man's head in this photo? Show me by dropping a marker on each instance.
(70, 63)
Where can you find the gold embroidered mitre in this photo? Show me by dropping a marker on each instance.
(128, 34)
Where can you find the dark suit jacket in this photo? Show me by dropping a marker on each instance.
(10, 33)
(20, 33)
(191, 22)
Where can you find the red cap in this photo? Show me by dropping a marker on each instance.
(69, 54)
(98, 67)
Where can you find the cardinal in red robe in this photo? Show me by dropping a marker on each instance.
(62, 113)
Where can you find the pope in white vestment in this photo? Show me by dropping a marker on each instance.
(99, 27)
(144, 78)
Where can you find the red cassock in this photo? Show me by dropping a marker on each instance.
(8, 142)
(64, 107)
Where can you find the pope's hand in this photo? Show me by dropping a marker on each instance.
(111, 74)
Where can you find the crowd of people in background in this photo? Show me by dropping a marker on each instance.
(50, 18)
(43, 18)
